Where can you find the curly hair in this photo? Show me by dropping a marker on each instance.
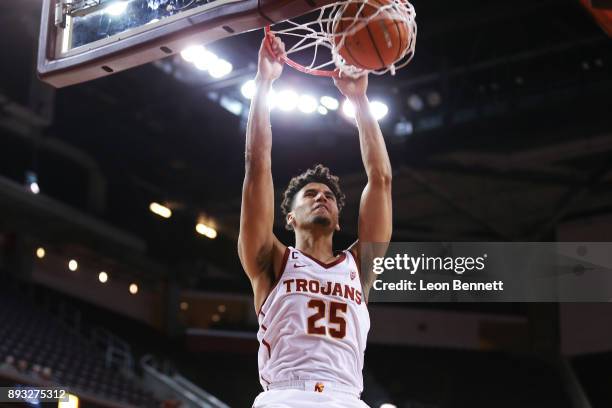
(317, 174)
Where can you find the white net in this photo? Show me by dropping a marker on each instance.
(315, 42)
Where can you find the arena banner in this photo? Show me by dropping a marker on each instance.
(488, 271)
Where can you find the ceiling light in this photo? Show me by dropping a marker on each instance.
(103, 277)
(40, 253)
(307, 104)
(330, 102)
(348, 109)
(160, 210)
(205, 60)
(379, 109)
(220, 68)
(192, 53)
(286, 100)
(248, 89)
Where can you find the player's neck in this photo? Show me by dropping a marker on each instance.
(318, 246)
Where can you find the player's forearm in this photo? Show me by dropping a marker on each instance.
(373, 150)
(259, 133)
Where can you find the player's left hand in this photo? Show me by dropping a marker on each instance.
(352, 88)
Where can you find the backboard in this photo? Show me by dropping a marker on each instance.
(81, 40)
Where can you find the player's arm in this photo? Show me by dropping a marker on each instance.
(375, 210)
(256, 241)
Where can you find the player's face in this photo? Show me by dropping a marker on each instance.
(315, 205)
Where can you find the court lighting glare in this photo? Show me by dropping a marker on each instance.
(73, 265)
(307, 104)
(205, 61)
(193, 52)
(272, 99)
(220, 68)
(248, 89)
(205, 230)
(416, 103)
(287, 100)
(103, 277)
(322, 110)
(34, 187)
(72, 402)
(133, 288)
(117, 8)
(160, 210)
(184, 306)
(329, 102)
(387, 405)
(40, 253)
(348, 109)
(379, 109)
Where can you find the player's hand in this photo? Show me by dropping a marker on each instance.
(270, 64)
(352, 88)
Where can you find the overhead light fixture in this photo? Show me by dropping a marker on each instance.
(193, 52)
(220, 68)
(379, 109)
(32, 182)
(184, 306)
(248, 89)
(206, 230)
(329, 102)
(388, 405)
(40, 253)
(103, 277)
(117, 8)
(403, 128)
(287, 100)
(205, 60)
(272, 99)
(348, 109)
(160, 210)
(416, 103)
(434, 99)
(133, 288)
(73, 265)
(322, 110)
(71, 402)
(307, 104)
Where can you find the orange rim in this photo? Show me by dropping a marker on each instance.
(297, 66)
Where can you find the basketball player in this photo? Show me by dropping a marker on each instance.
(310, 300)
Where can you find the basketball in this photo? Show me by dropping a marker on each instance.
(379, 43)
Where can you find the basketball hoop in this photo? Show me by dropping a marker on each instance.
(322, 38)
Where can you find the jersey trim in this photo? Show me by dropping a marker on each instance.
(282, 270)
(365, 295)
(341, 258)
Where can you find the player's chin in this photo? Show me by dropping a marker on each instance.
(321, 220)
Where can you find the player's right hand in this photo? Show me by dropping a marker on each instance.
(270, 64)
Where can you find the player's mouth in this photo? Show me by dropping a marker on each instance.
(317, 207)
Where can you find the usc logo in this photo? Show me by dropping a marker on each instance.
(319, 387)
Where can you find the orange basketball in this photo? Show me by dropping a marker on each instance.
(379, 43)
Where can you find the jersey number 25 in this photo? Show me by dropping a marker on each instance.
(336, 317)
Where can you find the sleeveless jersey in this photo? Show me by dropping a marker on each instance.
(314, 323)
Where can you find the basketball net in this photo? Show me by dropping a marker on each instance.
(320, 36)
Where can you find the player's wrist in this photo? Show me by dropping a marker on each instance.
(263, 81)
(359, 101)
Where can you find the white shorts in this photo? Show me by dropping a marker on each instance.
(291, 398)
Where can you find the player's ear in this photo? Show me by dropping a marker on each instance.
(291, 220)
(338, 227)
